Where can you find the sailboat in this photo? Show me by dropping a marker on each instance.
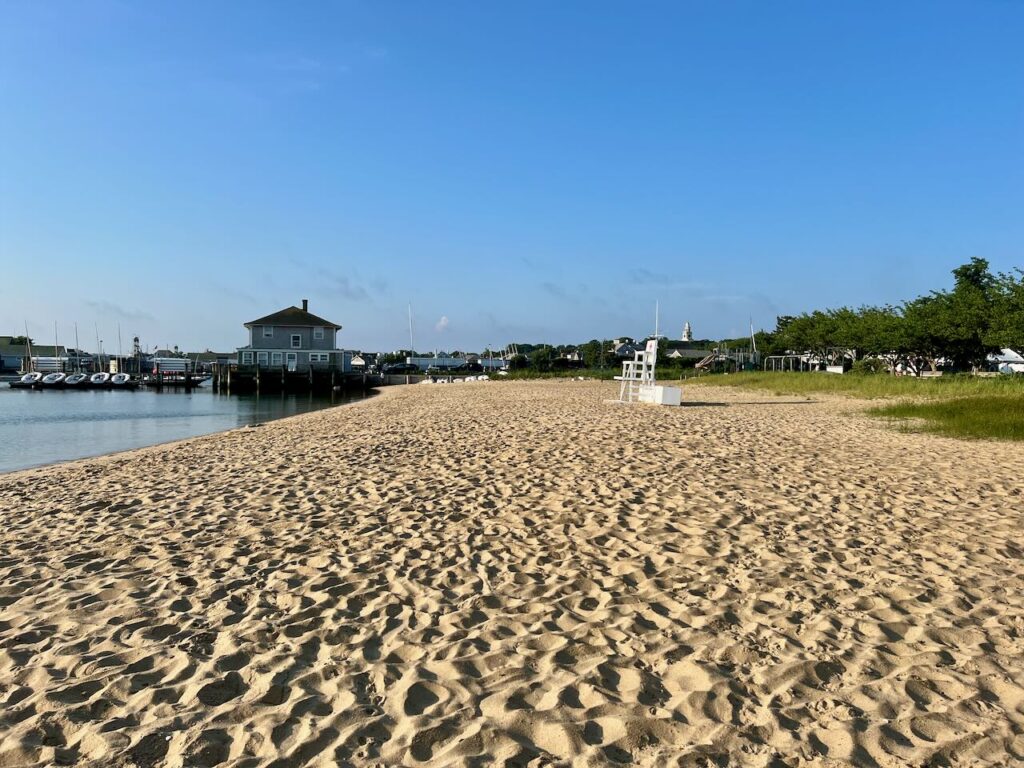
(53, 380)
(123, 381)
(33, 377)
(28, 381)
(77, 381)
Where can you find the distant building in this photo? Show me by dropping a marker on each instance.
(10, 354)
(294, 339)
(687, 332)
(683, 353)
(41, 357)
(205, 361)
(364, 361)
(1007, 361)
(625, 347)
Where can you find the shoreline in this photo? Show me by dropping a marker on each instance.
(170, 443)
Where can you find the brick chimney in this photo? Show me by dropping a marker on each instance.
(305, 305)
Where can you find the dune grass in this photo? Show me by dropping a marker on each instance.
(873, 387)
(956, 406)
(986, 416)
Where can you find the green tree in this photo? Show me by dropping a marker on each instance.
(969, 311)
(595, 353)
(518, 362)
(542, 359)
(881, 333)
(1006, 328)
(924, 331)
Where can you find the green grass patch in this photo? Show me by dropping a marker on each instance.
(872, 386)
(985, 416)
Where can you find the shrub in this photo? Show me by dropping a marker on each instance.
(869, 366)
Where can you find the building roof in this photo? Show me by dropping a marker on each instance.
(295, 316)
(38, 350)
(1007, 355)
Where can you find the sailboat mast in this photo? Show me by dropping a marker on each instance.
(28, 341)
(56, 353)
(78, 357)
(412, 344)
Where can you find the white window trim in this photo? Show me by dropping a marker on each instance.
(276, 358)
(268, 331)
(296, 337)
(247, 358)
(318, 333)
(262, 358)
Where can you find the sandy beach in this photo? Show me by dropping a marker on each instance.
(520, 574)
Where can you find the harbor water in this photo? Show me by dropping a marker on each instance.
(44, 427)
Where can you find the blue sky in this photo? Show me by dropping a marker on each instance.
(528, 171)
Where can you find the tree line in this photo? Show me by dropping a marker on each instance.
(958, 328)
(955, 328)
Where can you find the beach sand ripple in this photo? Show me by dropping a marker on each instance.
(521, 575)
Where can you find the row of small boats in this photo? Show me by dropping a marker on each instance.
(101, 380)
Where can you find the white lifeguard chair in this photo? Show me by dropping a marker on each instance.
(636, 384)
(638, 373)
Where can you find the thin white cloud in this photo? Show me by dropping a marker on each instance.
(442, 325)
(109, 309)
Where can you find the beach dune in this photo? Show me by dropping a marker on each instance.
(520, 574)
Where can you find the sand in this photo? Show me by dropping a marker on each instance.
(520, 574)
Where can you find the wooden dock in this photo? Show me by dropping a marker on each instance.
(187, 381)
(245, 379)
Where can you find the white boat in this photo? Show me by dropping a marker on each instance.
(101, 379)
(53, 380)
(123, 381)
(27, 381)
(77, 380)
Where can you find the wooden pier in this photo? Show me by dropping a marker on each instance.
(186, 381)
(244, 379)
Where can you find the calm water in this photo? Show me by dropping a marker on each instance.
(49, 426)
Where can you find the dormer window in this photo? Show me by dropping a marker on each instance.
(318, 333)
(268, 331)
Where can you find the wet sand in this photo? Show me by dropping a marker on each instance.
(520, 574)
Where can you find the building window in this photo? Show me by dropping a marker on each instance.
(268, 331)
(318, 333)
(275, 358)
(247, 358)
(261, 358)
(296, 341)
(319, 357)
